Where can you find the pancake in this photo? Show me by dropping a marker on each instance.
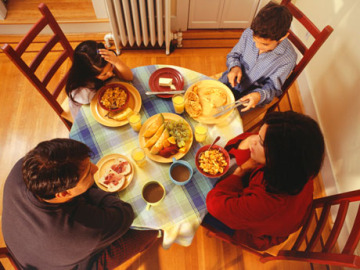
(210, 99)
(192, 103)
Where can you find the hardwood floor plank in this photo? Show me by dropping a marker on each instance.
(20, 11)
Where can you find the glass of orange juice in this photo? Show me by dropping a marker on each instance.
(138, 155)
(135, 120)
(179, 103)
(201, 132)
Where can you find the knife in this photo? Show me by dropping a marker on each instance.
(164, 93)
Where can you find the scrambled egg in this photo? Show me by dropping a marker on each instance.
(113, 98)
(212, 161)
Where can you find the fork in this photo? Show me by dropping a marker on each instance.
(225, 108)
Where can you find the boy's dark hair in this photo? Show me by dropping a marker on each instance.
(54, 166)
(294, 151)
(87, 64)
(273, 22)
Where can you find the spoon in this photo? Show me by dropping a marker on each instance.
(215, 141)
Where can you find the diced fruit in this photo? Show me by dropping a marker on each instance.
(169, 151)
(180, 131)
(156, 136)
(172, 140)
(166, 143)
(182, 149)
(160, 143)
(154, 126)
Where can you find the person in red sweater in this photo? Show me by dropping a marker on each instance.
(268, 195)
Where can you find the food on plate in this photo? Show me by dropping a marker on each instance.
(151, 141)
(121, 166)
(112, 180)
(168, 151)
(180, 131)
(211, 99)
(204, 101)
(165, 81)
(160, 142)
(172, 137)
(114, 98)
(192, 103)
(120, 116)
(212, 161)
(154, 126)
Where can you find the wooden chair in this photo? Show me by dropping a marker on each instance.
(252, 119)
(29, 70)
(318, 239)
(4, 254)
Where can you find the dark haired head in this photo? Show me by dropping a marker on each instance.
(272, 22)
(87, 64)
(294, 151)
(54, 166)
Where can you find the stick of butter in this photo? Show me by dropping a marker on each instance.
(165, 81)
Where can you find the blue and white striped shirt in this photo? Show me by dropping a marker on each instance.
(264, 73)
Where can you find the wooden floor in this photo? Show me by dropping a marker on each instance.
(26, 120)
(26, 11)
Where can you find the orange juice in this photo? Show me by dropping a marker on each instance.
(135, 121)
(179, 103)
(200, 132)
(138, 155)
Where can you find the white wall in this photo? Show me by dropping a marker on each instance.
(333, 78)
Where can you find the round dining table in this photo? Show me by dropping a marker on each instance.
(183, 208)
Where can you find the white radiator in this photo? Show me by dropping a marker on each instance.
(137, 22)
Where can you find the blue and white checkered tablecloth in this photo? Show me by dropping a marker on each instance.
(184, 207)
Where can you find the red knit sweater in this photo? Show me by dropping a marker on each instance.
(261, 219)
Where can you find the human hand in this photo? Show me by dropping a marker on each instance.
(234, 73)
(247, 166)
(250, 101)
(109, 56)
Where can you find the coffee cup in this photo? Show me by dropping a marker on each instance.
(153, 193)
(180, 172)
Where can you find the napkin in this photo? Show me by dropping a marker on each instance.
(182, 234)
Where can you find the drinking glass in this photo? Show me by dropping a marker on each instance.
(179, 103)
(138, 155)
(201, 132)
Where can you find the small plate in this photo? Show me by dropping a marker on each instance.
(99, 113)
(158, 158)
(105, 163)
(211, 84)
(178, 81)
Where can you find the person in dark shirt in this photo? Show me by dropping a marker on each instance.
(54, 218)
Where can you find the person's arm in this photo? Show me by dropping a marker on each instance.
(233, 60)
(265, 94)
(121, 69)
(227, 202)
(273, 84)
(105, 212)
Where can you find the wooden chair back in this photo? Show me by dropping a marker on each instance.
(4, 254)
(318, 241)
(29, 70)
(323, 245)
(252, 119)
